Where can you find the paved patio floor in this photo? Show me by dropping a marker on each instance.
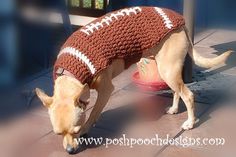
(27, 131)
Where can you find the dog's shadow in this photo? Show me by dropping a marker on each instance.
(112, 122)
(109, 125)
(230, 62)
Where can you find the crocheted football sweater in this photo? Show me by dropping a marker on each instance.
(125, 34)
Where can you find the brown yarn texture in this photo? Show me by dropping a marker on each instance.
(126, 38)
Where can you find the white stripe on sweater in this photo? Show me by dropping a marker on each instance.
(108, 19)
(78, 55)
(166, 19)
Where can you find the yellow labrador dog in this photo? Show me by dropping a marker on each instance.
(67, 105)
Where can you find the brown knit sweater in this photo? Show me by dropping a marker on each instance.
(125, 34)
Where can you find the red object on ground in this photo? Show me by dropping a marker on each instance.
(148, 86)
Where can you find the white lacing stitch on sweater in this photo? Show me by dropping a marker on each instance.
(166, 19)
(89, 29)
(78, 55)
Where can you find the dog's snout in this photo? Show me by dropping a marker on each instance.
(58, 131)
(70, 149)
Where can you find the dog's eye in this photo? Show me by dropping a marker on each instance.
(60, 132)
(82, 104)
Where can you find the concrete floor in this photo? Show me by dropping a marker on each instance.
(138, 115)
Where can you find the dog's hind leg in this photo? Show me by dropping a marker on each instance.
(175, 106)
(174, 80)
(170, 64)
(188, 98)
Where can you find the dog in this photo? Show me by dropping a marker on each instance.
(71, 91)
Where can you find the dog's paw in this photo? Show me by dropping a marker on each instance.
(172, 110)
(188, 124)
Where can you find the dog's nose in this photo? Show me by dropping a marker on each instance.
(70, 149)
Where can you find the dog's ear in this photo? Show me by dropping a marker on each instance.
(84, 95)
(46, 100)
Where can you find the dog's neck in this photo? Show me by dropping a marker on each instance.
(68, 87)
(62, 72)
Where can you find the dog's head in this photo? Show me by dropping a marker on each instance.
(66, 108)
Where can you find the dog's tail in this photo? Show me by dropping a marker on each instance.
(202, 61)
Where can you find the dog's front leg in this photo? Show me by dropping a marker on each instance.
(104, 92)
